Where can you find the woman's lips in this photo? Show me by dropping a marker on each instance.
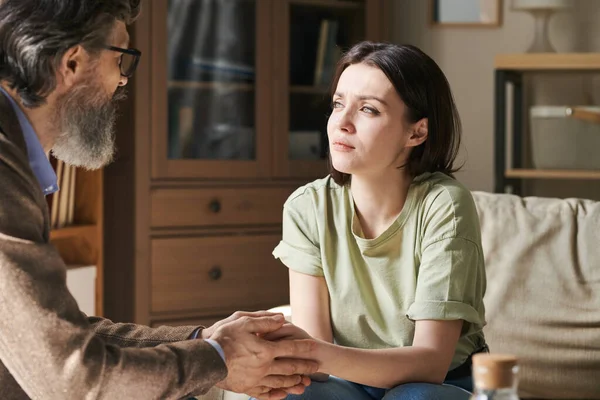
(341, 146)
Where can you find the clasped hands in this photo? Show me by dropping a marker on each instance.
(266, 357)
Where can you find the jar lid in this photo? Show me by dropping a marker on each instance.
(494, 371)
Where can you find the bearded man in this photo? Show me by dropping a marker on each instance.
(63, 66)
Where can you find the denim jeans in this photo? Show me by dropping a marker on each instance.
(339, 389)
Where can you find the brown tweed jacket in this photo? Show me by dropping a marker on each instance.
(51, 350)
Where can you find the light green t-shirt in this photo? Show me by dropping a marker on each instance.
(427, 265)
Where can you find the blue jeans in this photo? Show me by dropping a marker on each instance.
(339, 389)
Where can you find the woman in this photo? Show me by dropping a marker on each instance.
(385, 258)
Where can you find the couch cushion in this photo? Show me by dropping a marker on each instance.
(543, 294)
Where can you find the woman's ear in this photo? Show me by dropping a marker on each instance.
(419, 134)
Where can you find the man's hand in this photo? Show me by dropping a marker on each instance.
(264, 369)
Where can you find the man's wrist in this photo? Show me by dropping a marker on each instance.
(197, 333)
(205, 334)
(217, 347)
(201, 332)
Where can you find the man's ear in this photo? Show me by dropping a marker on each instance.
(419, 134)
(71, 66)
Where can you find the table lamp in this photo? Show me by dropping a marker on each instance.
(541, 10)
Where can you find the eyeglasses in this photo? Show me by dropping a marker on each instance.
(129, 59)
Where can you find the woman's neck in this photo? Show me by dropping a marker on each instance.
(379, 200)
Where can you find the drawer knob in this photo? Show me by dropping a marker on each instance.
(215, 273)
(215, 206)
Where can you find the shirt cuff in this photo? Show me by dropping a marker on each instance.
(213, 343)
(217, 347)
(196, 332)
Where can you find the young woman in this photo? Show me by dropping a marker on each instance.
(385, 258)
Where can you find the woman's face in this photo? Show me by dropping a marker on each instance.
(367, 135)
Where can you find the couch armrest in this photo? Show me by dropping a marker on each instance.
(286, 310)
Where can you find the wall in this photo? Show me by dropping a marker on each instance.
(459, 10)
(466, 55)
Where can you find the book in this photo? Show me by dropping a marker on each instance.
(328, 53)
(55, 199)
(322, 45)
(62, 203)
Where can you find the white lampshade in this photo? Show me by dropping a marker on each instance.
(541, 4)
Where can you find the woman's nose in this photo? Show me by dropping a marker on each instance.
(346, 121)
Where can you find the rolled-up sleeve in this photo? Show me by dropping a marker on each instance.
(450, 283)
(299, 249)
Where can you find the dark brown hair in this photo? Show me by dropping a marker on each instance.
(426, 93)
(35, 35)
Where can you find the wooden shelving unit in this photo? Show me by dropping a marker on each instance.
(211, 85)
(72, 232)
(551, 174)
(509, 69)
(81, 244)
(328, 3)
(548, 62)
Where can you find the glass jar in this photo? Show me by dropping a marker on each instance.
(495, 377)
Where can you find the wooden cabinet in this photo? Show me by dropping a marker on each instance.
(226, 118)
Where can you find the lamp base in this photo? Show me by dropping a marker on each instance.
(541, 42)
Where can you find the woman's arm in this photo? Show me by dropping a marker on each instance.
(427, 360)
(309, 299)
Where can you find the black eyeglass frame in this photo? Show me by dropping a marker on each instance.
(132, 52)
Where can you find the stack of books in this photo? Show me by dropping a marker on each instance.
(62, 203)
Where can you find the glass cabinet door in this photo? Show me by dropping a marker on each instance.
(209, 64)
(316, 34)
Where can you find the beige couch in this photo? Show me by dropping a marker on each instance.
(543, 297)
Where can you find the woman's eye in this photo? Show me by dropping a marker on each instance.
(336, 104)
(370, 110)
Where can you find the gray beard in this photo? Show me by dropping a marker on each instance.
(86, 124)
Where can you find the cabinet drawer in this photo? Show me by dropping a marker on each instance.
(217, 206)
(217, 274)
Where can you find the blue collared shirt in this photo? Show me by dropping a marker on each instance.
(44, 172)
(38, 160)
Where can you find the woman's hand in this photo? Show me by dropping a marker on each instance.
(291, 331)
(208, 332)
(287, 331)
